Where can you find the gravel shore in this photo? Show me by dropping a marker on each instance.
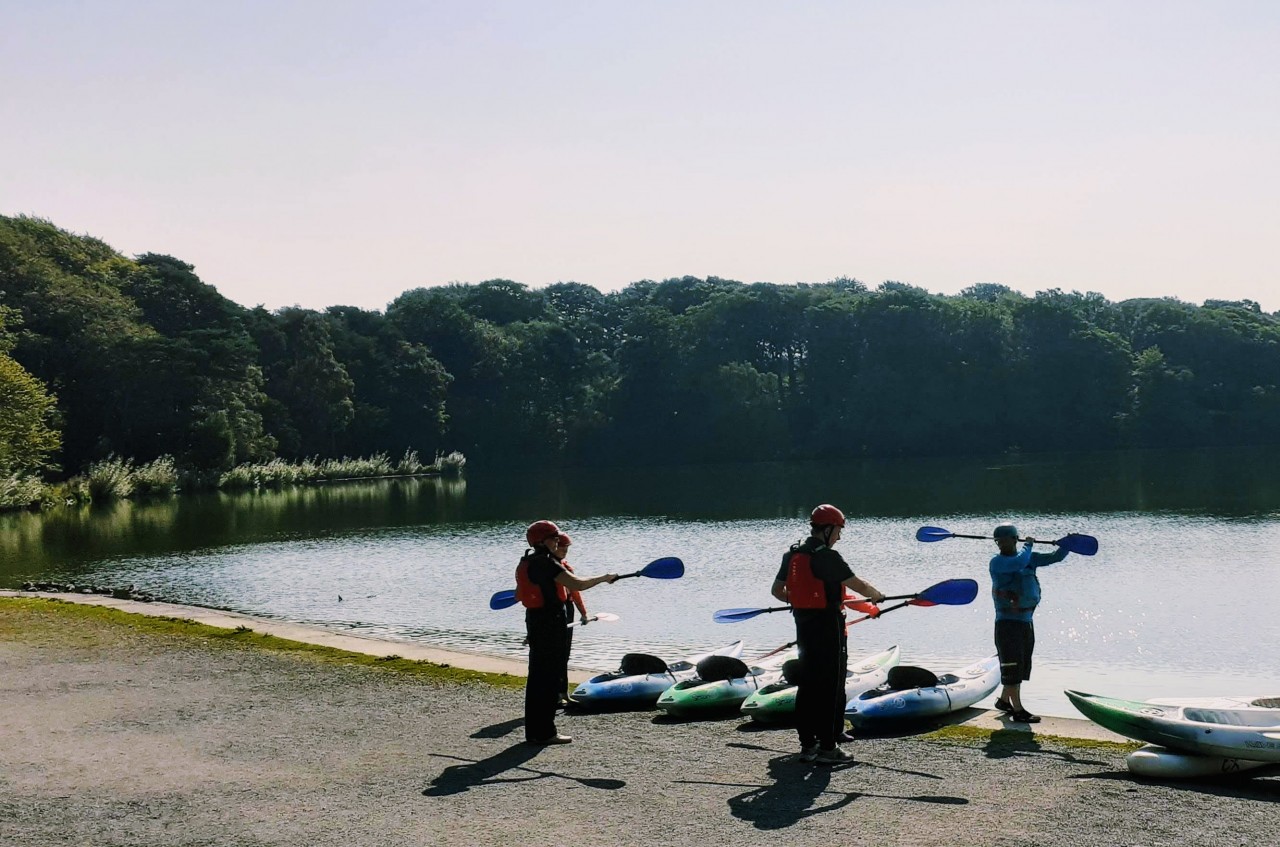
(116, 735)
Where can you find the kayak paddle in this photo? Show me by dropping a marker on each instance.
(950, 592)
(665, 568)
(735, 615)
(503, 599)
(1085, 545)
(603, 617)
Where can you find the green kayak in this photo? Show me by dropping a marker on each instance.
(1251, 733)
(776, 702)
(721, 685)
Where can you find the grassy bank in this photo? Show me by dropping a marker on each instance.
(1016, 739)
(19, 616)
(115, 478)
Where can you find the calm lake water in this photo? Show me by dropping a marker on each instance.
(1181, 599)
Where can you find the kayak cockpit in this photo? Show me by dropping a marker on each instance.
(1268, 718)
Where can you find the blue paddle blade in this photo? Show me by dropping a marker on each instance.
(951, 592)
(931, 533)
(1085, 545)
(503, 599)
(735, 615)
(668, 568)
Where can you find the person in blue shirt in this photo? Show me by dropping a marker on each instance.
(1015, 588)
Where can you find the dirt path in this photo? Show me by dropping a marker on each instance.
(112, 735)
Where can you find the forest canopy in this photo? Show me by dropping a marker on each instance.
(102, 354)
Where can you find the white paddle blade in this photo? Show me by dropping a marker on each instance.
(603, 617)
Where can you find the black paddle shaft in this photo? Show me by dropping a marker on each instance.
(992, 537)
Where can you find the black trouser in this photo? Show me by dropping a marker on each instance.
(820, 694)
(844, 675)
(568, 651)
(548, 672)
(1015, 642)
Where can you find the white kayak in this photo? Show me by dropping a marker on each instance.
(1250, 732)
(1162, 763)
(951, 692)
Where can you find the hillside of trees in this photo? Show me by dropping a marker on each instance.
(101, 354)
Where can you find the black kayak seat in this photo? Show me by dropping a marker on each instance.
(718, 668)
(791, 669)
(902, 677)
(641, 663)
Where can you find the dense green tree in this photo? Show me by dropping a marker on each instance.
(144, 359)
(28, 437)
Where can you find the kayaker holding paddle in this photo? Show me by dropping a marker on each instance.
(544, 585)
(1016, 591)
(812, 580)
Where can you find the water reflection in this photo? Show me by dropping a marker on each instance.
(417, 559)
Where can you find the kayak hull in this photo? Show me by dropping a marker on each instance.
(1156, 762)
(776, 703)
(955, 691)
(1251, 733)
(623, 691)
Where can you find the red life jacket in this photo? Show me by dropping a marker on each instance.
(804, 589)
(528, 592)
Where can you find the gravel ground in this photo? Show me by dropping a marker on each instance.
(113, 736)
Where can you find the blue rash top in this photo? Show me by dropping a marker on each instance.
(1014, 584)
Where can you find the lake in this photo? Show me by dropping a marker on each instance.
(1180, 599)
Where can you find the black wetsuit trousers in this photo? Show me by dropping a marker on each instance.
(820, 694)
(548, 671)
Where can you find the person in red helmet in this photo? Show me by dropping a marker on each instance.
(544, 586)
(812, 580)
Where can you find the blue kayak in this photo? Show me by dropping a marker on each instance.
(925, 696)
(641, 679)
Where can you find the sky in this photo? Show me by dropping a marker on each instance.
(321, 153)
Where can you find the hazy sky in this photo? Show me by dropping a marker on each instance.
(325, 153)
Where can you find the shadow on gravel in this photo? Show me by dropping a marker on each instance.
(796, 792)
(473, 773)
(905, 729)
(1005, 743)
(709, 717)
(759, 726)
(860, 764)
(499, 730)
(1245, 786)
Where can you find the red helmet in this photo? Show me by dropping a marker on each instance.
(827, 515)
(565, 540)
(540, 531)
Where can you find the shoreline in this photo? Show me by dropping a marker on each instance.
(973, 720)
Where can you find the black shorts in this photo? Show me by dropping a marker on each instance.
(1015, 641)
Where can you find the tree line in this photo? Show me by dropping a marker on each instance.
(101, 354)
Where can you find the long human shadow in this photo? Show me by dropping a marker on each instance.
(1249, 785)
(499, 730)
(474, 773)
(758, 748)
(917, 726)
(1007, 743)
(795, 794)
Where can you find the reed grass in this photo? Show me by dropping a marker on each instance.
(279, 473)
